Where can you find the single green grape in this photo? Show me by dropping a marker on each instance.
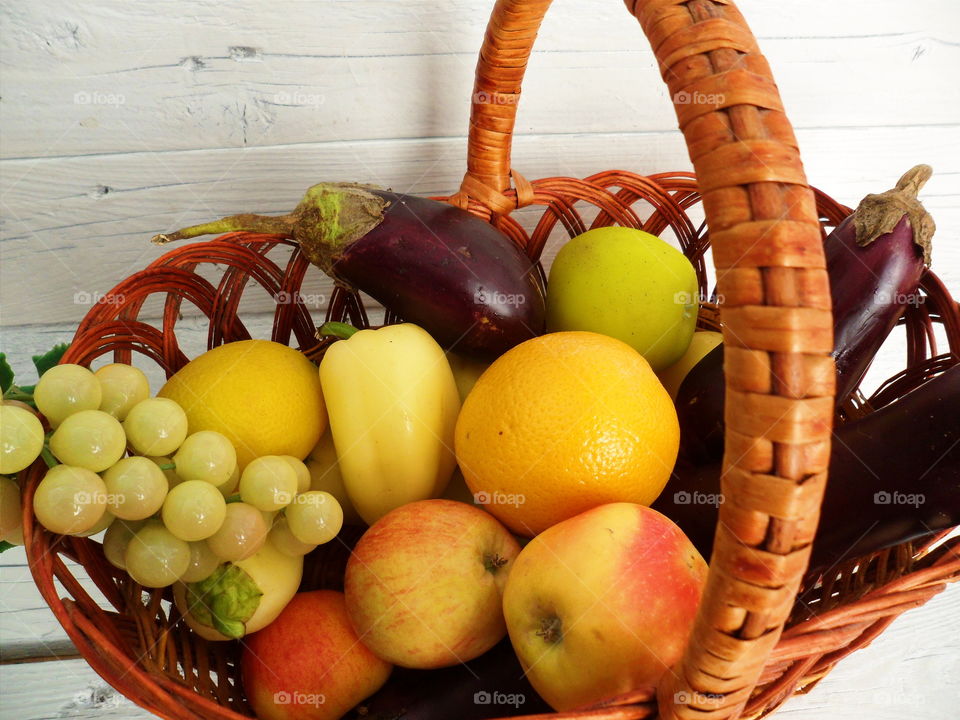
(302, 471)
(202, 562)
(156, 426)
(105, 521)
(70, 499)
(15, 537)
(21, 438)
(286, 542)
(270, 517)
(10, 515)
(121, 387)
(268, 483)
(169, 472)
(231, 485)
(314, 517)
(136, 488)
(90, 439)
(194, 510)
(64, 390)
(243, 532)
(116, 539)
(206, 455)
(155, 558)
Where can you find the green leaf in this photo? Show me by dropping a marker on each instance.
(4, 545)
(49, 359)
(6, 373)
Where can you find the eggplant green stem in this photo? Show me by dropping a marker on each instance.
(246, 222)
(329, 218)
(341, 330)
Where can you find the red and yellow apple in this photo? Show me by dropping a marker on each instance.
(602, 603)
(309, 664)
(424, 585)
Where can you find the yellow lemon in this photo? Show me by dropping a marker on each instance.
(262, 395)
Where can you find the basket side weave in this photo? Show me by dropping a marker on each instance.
(777, 322)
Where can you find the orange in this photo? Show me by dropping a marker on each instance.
(562, 423)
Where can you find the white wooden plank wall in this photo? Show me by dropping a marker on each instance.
(119, 120)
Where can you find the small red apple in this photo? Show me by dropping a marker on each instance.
(309, 664)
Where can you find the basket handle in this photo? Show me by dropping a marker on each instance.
(776, 314)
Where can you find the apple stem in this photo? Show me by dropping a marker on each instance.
(551, 629)
(494, 562)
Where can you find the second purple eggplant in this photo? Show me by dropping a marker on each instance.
(875, 259)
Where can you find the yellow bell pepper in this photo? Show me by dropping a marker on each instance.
(392, 402)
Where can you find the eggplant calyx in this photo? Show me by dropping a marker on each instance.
(331, 216)
(328, 218)
(879, 214)
(224, 601)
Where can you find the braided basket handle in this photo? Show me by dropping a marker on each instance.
(776, 314)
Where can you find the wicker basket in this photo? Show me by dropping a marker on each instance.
(754, 643)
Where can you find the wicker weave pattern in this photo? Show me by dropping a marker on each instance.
(767, 241)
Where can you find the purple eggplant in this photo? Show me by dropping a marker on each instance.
(875, 258)
(430, 263)
(894, 475)
(491, 686)
(700, 404)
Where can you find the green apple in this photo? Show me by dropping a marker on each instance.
(628, 284)
(703, 342)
